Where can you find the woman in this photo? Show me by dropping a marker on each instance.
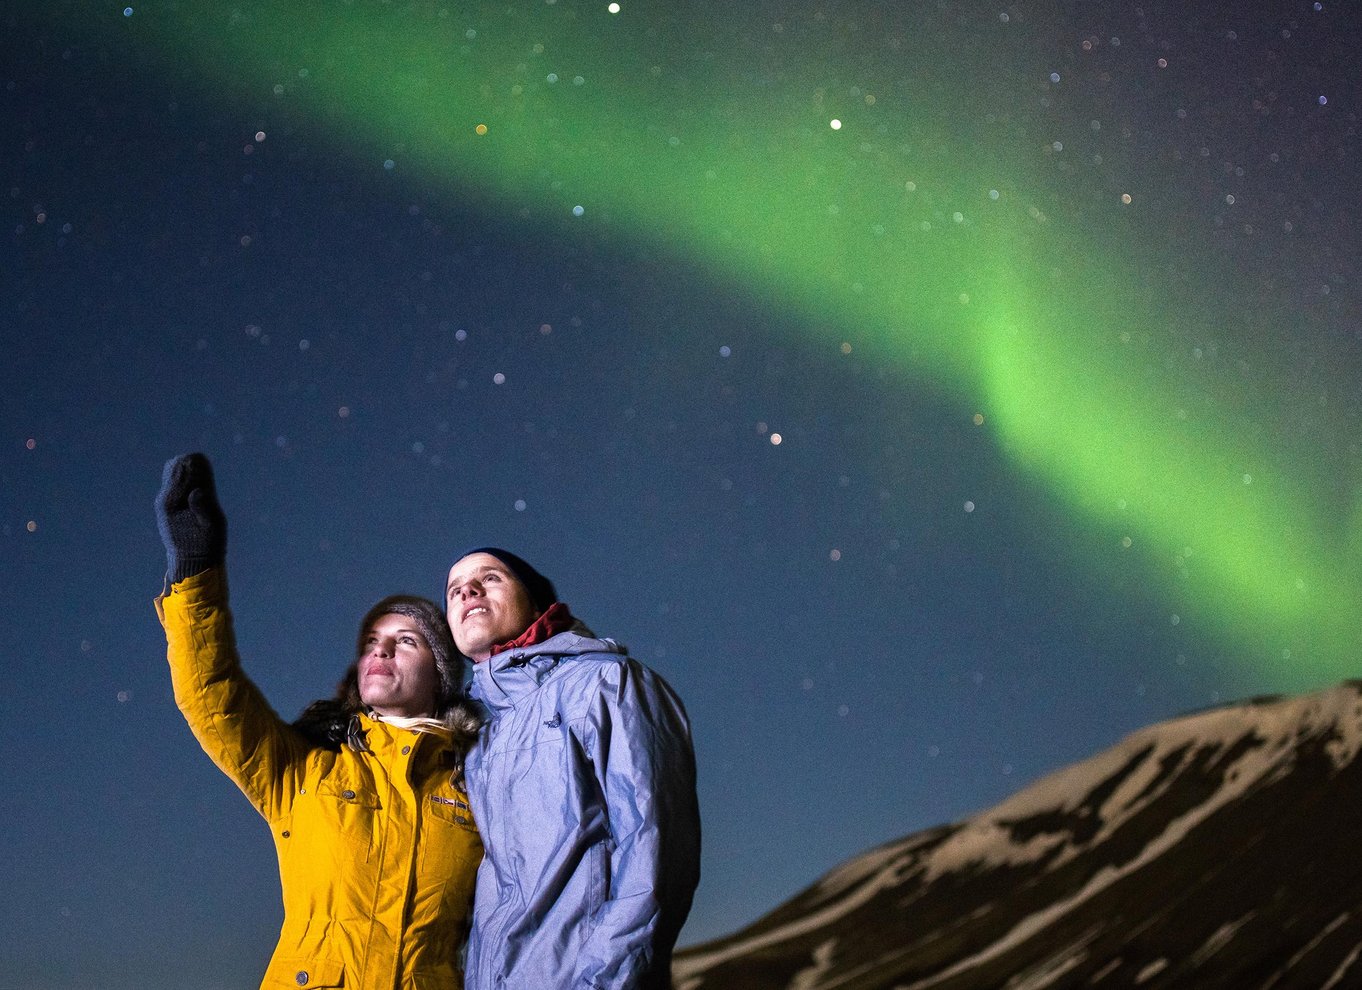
(377, 848)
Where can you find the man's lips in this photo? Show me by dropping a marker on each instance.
(476, 610)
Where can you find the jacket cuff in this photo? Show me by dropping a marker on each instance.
(210, 584)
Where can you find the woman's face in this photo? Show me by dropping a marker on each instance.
(397, 673)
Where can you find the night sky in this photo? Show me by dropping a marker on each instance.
(931, 392)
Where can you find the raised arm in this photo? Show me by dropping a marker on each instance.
(226, 712)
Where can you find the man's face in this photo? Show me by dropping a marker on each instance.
(485, 604)
(397, 674)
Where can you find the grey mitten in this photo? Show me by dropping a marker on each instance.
(193, 527)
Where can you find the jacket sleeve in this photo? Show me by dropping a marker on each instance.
(645, 767)
(226, 712)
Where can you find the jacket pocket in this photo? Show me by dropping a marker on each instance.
(347, 795)
(451, 847)
(346, 817)
(302, 973)
(452, 808)
(599, 891)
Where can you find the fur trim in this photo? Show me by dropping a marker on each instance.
(464, 719)
(325, 723)
(332, 723)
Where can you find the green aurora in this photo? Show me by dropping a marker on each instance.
(923, 228)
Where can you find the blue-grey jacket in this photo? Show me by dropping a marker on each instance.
(583, 787)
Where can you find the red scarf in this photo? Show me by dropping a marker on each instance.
(556, 619)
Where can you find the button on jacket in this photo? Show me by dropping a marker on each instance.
(377, 850)
(584, 785)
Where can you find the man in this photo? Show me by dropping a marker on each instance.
(583, 787)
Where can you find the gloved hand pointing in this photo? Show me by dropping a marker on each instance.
(193, 527)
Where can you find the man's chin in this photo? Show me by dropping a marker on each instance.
(477, 652)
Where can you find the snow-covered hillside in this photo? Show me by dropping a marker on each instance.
(1218, 850)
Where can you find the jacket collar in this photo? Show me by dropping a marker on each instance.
(384, 738)
(557, 618)
(502, 681)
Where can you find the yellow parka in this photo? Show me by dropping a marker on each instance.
(377, 850)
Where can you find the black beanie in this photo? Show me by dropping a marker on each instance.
(539, 588)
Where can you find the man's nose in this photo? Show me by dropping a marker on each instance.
(472, 590)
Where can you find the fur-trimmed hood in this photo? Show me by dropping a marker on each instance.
(333, 723)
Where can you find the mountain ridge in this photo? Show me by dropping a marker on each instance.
(1211, 850)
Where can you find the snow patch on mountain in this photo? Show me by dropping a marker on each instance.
(1343, 969)
(808, 979)
(1220, 938)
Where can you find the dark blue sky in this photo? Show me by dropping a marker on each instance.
(389, 372)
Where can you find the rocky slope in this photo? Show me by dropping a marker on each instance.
(1221, 851)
